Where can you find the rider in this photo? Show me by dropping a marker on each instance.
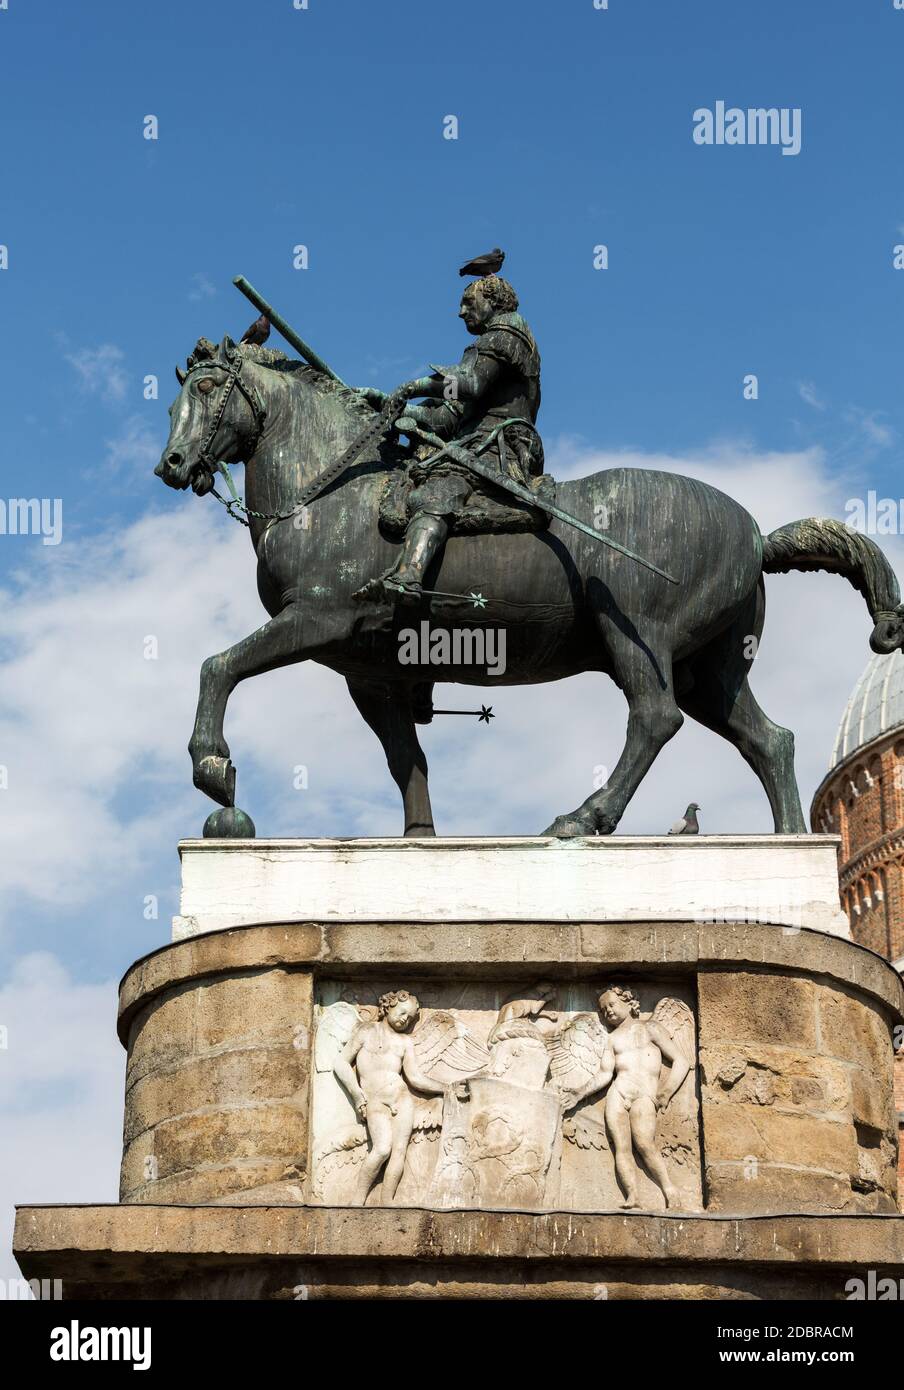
(492, 394)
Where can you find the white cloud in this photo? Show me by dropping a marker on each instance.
(88, 726)
(202, 287)
(808, 393)
(871, 426)
(136, 447)
(100, 371)
(61, 1092)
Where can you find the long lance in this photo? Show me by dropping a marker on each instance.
(472, 461)
(454, 451)
(279, 323)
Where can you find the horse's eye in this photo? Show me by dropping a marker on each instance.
(205, 385)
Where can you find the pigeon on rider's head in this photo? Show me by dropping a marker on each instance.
(258, 333)
(687, 825)
(487, 264)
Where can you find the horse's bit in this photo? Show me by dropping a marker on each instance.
(374, 431)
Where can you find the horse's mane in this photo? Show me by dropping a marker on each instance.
(276, 361)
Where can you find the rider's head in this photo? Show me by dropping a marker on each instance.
(484, 298)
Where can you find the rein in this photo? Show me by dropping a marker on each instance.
(371, 434)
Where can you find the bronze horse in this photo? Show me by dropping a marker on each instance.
(565, 602)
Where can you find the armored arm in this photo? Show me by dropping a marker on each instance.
(467, 381)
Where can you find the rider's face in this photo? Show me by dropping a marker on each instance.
(475, 309)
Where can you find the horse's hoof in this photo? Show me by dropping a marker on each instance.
(215, 777)
(229, 823)
(568, 828)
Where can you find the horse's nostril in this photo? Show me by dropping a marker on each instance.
(174, 459)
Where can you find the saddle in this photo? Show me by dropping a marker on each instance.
(483, 514)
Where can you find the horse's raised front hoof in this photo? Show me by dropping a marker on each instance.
(570, 827)
(229, 823)
(216, 778)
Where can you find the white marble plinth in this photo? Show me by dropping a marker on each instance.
(789, 880)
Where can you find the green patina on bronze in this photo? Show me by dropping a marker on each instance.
(359, 535)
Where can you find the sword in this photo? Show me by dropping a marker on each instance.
(476, 464)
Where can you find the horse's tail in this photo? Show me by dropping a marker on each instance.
(819, 543)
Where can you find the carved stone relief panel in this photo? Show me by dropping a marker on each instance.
(561, 1097)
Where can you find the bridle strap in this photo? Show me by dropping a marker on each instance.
(234, 373)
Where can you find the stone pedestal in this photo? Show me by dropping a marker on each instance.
(740, 1068)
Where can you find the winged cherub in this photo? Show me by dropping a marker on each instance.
(628, 1058)
(381, 1066)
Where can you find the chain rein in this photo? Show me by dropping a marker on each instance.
(392, 408)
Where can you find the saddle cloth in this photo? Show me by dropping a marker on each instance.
(483, 514)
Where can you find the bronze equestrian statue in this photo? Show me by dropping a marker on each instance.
(332, 500)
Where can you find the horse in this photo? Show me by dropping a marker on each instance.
(677, 643)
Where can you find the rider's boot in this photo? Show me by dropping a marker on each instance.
(404, 581)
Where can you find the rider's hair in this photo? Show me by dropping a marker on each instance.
(626, 994)
(395, 996)
(498, 291)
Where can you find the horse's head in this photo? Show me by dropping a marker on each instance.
(218, 415)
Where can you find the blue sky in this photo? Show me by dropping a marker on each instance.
(325, 127)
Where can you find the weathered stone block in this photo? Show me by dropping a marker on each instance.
(747, 1005)
(851, 1030)
(763, 1187)
(223, 1136)
(872, 1101)
(747, 1132)
(242, 1076)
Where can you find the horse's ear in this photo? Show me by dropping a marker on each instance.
(180, 376)
(227, 349)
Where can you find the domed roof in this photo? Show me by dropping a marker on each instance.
(876, 706)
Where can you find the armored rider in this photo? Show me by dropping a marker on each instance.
(487, 403)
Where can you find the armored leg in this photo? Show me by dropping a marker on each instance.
(431, 506)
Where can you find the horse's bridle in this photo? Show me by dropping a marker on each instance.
(373, 432)
(233, 371)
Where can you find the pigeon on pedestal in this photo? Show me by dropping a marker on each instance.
(687, 825)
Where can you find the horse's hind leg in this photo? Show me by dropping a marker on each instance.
(712, 688)
(645, 674)
(388, 710)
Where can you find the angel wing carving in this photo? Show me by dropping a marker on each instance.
(335, 1026)
(446, 1051)
(576, 1054)
(346, 1148)
(678, 1021)
(584, 1132)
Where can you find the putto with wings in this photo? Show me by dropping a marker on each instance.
(386, 1064)
(640, 1060)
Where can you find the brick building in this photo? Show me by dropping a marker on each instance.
(861, 798)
